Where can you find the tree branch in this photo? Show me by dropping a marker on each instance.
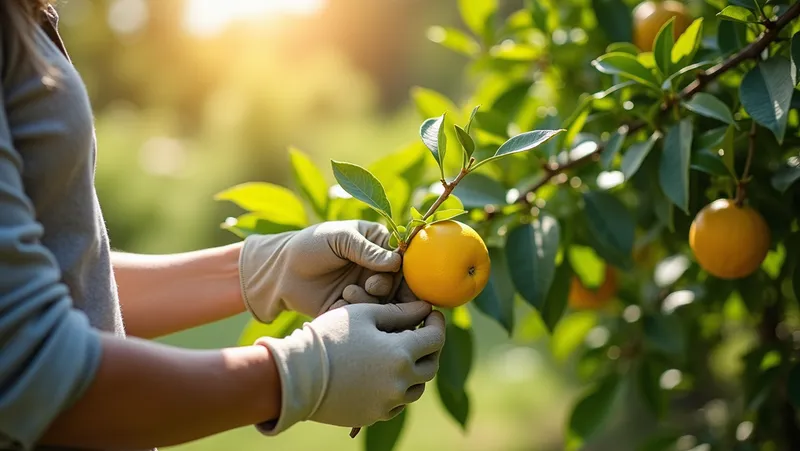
(752, 51)
(448, 189)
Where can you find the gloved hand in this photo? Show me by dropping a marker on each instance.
(308, 270)
(356, 365)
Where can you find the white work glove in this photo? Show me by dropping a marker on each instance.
(308, 270)
(356, 365)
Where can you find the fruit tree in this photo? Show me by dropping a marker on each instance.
(630, 164)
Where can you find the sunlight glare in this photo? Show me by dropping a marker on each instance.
(207, 17)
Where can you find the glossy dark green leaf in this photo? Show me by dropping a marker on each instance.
(731, 36)
(611, 225)
(591, 410)
(612, 148)
(272, 202)
(710, 139)
(737, 14)
(626, 65)
(749, 4)
(785, 177)
(492, 122)
(497, 298)
(512, 98)
(558, 295)
(614, 18)
(709, 162)
(707, 105)
(455, 364)
(766, 93)
(624, 47)
(795, 51)
(477, 190)
(648, 381)
(636, 154)
(466, 141)
(455, 40)
(433, 135)
(362, 185)
(673, 170)
(384, 435)
(665, 334)
(311, 182)
(662, 49)
(522, 143)
(531, 252)
(678, 75)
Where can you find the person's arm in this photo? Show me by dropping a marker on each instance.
(147, 395)
(162, 294)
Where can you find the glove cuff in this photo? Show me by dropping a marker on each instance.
(304, 369)
(259, 273)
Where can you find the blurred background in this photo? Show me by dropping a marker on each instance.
(193, 96)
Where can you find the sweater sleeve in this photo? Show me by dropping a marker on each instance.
(49, 352)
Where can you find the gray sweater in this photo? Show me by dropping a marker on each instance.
(57, 290)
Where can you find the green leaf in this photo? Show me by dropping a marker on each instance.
(253, 224)
(511, 99)
(711, 139)
(431, 103)
(665, 334)
(455, 40)
(662, 50)
(435, 139)
(785, 177)
(471, 118)
(492, 122)
(614, 17)
(466, 142)
(649, 384)
(591, 410)
(624, 47)
(477, 190)
(531, 251)
(667, 84)
(611, 225)
(627, 66)
(603, 94)
(673, 170)
(286, 322)
(795, 52)
(556, 303)
(737, 14)
(570, 333)
(398, 191)
(478, 16)
(707, 105)
(766, 93)
(636, 154)
(522, 143)
(384, 435)
(793, 385)
(272, 202)
(688, 43)
(512, 51)
(311, 182)
(362, 185)
(496, 300)
(415, 214)
(731, 36)
(443, 215)
(587, 266)
(709, 162)
(451, 203)
(749, 4)
(613, 146)
(455, 363)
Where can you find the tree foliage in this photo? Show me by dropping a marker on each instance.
(611, 178)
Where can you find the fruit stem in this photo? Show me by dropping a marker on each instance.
(448, 189)
(740, 186)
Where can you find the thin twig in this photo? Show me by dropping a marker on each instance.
(740, 186)
(752, 51)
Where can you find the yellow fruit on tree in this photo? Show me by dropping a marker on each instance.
(447, 264)
(649, 16)
(584, 298)
(729, 241)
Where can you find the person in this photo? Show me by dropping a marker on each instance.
(77, 367)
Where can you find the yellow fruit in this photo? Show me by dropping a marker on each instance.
(651, 15)
(729, 241)
(447, 264)
(583, 298)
